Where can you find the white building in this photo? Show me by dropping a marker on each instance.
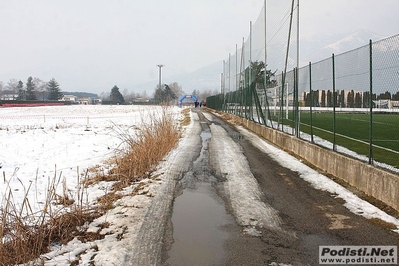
(69, 98)
(9, 97)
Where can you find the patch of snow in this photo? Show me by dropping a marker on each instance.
(241, 186)
(319, 181)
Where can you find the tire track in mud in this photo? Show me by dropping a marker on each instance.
(199, 219)
(147, 247)
(316, 216)
(241, 188)
(299, 217)
(242, 197)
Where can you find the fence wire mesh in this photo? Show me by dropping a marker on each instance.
(348, 102)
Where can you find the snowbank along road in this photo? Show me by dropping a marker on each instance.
(275, 210)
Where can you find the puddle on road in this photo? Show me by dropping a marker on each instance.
(199, 218)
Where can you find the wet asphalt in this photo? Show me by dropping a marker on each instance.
(203, 231)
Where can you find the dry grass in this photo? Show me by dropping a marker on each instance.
(186, 119)
(106, 202)
(26, 235)
(142, 152)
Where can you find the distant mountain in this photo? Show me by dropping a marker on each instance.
(81, 94)
(312, 49)
(319, 47)
(205, 78)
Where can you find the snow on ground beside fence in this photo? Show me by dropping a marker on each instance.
(40, 143)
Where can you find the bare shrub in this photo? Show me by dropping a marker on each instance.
(142, 152)
(26, 234)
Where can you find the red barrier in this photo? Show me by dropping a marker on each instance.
(30, 104)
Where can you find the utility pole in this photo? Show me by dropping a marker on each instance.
(160, 67)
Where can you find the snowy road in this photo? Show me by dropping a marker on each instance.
(280, 217)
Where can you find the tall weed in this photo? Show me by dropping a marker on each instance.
(142, 152)
(25, 234)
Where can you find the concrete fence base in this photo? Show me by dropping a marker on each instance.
(377, 183)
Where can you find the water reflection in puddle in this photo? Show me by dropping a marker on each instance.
(199, 218)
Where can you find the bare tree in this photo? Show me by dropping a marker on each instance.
(40, 85)
(206, 93)
(21, 91)
(177, 89)
(195, 92)
(104, 96)
(2, 87)
(12, 86)
(125, 93)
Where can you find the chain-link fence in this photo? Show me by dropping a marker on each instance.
(348, 103)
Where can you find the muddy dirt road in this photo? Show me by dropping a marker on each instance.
(234, 205)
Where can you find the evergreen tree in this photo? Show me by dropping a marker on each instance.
(54, 90)
(316, 98)
(323, 98)
(358, 100)
(329, 99)
(366, 99)
(30, 90)
(116, 96)
(258, 74)
(384, 96)
(158, 95)
(21, 91)
(308, 99)
(169, 94)
(164, 95)
(351, 99)
(342, 98)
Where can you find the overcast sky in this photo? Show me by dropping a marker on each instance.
(92, 45)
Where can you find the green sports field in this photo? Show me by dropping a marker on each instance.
(353, 132)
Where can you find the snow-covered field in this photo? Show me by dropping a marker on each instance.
(40, 143)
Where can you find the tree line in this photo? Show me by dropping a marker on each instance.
(345, 98)
(167, 94)
(35, 88)
(30, 90)
(170, 93)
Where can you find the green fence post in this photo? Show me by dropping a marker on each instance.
(371, 103)
(311, 102)
(269, 117)
(282, 101)
(334, 103)
(296, 93)
(293, 104)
